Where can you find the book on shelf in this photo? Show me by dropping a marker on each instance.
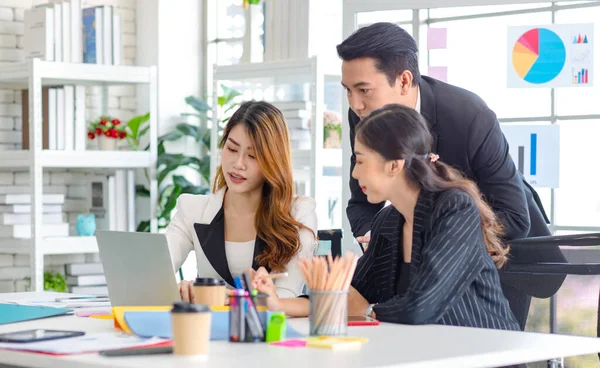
(58, 37)
(107, 37)
(25, 117)
(284, 106)
(25, 218)
(89, 290)
(78, 269)
(92, 35)
(86, 280)
(26, 199)
(26, 208)
(24, 231)
(52, 114)
(38, 38)
(60, 119)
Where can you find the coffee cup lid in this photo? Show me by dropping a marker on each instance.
(208, 281)
(185, 307)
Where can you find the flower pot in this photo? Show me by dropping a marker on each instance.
(107, 144)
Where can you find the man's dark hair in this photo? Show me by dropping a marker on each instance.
(393, 49)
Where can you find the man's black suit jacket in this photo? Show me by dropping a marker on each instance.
(466, 134)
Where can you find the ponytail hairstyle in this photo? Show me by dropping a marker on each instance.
(398, 132)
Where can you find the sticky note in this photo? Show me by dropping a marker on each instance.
(436, 38)
(438, 72)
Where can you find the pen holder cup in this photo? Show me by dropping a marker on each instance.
(328, 314)
(246, 324)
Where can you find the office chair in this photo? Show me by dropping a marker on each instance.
(557, 269)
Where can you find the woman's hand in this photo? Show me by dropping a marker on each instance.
(186, 290)
(264, 284)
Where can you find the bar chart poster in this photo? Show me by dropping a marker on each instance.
(556, 55)
(535, 150)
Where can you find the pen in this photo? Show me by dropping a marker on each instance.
(275, 275)
(77, 298)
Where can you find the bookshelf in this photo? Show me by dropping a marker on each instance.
(32, 75)
(308, 163)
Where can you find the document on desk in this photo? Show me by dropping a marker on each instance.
(69, 304)
(86, 344)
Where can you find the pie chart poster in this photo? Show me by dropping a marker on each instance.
(555, 55)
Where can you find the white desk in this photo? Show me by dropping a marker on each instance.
(389, 346)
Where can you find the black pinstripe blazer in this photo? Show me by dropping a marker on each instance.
(452, 281)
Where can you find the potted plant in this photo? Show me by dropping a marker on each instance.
(53, 281)
(108, 131)
(171, 186)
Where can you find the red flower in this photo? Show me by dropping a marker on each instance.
(115, 122)
(98, 131)
(122, 135)
(114, 133)
(91, 135)
(107, 133)
(103, 121)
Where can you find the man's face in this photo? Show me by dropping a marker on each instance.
(369, 89)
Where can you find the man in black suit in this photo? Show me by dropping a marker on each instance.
(380, 66)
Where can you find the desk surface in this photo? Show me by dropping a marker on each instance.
(389, 345)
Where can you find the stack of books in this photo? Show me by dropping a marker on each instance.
(15, 216)
(86, 278)
(62, 31)
(297, 116)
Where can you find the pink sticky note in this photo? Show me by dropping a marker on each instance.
(436, 38)
(439, 73)
(294, 343)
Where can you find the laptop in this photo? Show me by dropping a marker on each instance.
(138, 268)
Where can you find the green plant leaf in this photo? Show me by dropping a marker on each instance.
(142, 191)
(181, 181)
(199, 116)
(143, 227)
(197, 104)
(171, 136)
(190, 130)
(135, 123)
(228, 95)
(171, 202)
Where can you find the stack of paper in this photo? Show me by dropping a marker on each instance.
(86, 344)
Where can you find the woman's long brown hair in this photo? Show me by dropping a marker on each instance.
(399, 132)
(275, 225)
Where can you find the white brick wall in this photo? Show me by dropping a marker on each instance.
(14, 268)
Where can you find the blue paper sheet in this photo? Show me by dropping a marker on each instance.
(11, 313)
(149, 324)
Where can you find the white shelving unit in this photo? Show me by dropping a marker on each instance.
(33, 74)
(308, 163)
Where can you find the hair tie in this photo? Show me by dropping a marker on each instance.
(431, 156)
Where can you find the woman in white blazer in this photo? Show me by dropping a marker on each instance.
(251, 218)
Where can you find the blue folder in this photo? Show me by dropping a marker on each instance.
(11, 313)
(149, 324)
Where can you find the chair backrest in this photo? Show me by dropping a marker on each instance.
(553, 269)
(334, 237)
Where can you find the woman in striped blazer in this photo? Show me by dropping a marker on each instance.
(434, 252)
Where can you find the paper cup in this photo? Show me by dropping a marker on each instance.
(191, 328)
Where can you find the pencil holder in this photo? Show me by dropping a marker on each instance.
(245, 323)
(328, 313)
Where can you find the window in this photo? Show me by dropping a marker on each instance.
(579, 101)
(476, 60)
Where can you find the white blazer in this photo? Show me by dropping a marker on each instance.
(198, 226)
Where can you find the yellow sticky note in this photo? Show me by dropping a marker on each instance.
(119, 314)
(335, 343)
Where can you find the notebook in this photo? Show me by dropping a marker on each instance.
(12, 313)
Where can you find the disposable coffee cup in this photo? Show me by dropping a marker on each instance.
(209, 291)
(191, 328)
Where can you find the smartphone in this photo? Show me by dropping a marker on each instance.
(137, 351)
(37, 335)
(359, 320)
